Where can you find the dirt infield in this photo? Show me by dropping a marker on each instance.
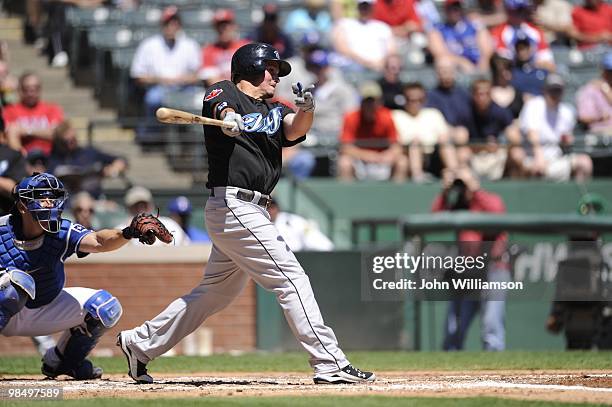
(574, 386)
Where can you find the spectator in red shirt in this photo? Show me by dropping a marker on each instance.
(517, 29)
(30, 123)
(369, 146)
(400, 15)
(461, 191)
(216, 57)
(592, 23)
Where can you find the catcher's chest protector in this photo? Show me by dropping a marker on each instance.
(41, 258)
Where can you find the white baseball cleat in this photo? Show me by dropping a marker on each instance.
(346, 375)
(137, 369)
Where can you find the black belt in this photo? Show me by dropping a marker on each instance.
(248, 196)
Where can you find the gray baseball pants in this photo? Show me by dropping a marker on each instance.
(246, 245)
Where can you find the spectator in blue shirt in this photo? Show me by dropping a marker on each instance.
(494, 139)
(180, 211)
(526, 76)
(313, 17)
(449, 98)
(467, 43)
(488, 120)
(81, 168)
(454, 103)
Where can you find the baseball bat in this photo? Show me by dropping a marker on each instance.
(173, 116)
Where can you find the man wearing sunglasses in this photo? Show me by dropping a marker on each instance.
(30, 123)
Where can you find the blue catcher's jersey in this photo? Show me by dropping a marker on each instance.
(42, 258)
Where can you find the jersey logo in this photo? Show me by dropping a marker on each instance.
(78, 228)
(213, 94)
(255, 122)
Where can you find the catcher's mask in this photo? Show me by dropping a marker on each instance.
(44, 197)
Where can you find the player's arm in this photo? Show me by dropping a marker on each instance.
(145, 227)
(105, 240)
(296, 125)
(229, 115)
(220, 103)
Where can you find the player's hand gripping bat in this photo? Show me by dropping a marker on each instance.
(173, 116)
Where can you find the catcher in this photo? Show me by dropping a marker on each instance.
(34, 243)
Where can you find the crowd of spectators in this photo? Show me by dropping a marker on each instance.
(509, 119)
(35, 136)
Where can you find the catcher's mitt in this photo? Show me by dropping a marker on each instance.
(146, 227)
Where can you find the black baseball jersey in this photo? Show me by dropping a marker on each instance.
(251, 160)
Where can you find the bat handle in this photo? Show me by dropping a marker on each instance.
(215, 122)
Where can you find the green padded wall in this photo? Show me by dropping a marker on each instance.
(347, 201)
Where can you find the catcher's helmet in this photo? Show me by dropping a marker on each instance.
(44, 197)
(250, 60)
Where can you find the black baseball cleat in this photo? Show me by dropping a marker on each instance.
(84, 371)
(347, 375)
(137, 370)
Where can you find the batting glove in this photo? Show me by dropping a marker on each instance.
(236, 120)
(303, 97)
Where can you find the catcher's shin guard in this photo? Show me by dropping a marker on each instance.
(103, 312)
(84, 370)
(71, 361)
(82, 340)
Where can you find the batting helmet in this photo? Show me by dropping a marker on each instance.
(44, 197)
(250, 60)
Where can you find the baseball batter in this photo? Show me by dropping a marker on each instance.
(34, 243)
(244, 167)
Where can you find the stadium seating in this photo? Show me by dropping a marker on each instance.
(112, 37)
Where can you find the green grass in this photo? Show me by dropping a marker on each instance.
(376, 361)
(375, 401)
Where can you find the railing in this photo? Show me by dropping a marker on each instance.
(372, 225)
(298, 187)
